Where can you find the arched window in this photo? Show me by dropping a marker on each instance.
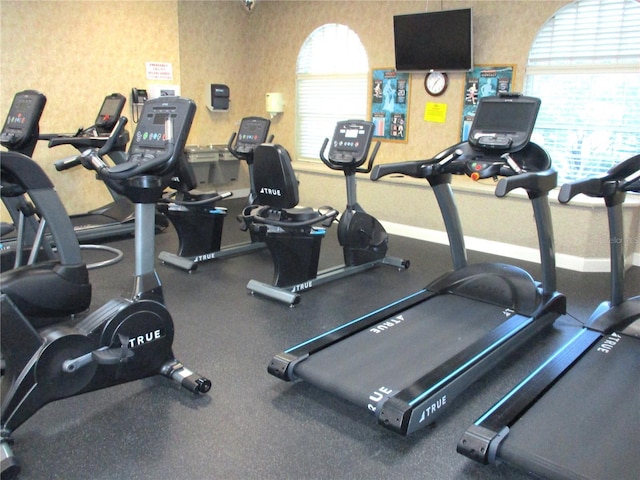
(585, 66)
(331, 84)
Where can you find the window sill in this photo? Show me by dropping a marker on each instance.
(460, 183)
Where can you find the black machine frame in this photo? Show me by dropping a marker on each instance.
(199, 221)
(49, 352)
(404, 390)
(362, 237)
(542, 424)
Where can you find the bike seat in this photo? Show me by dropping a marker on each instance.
(277, 192)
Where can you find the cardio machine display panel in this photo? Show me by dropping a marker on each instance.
(110, 113)
(150, 132)
(22, 120)
(350, 142)
(252, 132)
(504, 122)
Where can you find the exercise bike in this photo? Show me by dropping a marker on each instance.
(50, 356)
(114, 219)
(296, 252)
(196, 217)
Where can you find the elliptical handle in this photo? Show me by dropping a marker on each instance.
(371, 159)
(233, 151)
(324, 159)
(115, 133)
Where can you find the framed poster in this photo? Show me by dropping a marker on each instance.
(390, 105)
(483, 81)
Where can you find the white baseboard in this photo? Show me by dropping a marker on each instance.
(563, 260)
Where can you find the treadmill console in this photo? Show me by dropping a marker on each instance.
(350, 142)
(504, 123)
(21, 125)
(150, 138)
(252, 132)
(109, 113)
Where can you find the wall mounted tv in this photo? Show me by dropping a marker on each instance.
(434, 41)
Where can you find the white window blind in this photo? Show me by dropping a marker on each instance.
(331, 78)
(585, 67)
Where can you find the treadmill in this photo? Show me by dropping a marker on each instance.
(114, 219)
(407, 361)
(578, 414)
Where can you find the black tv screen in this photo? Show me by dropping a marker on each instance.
(434, 41)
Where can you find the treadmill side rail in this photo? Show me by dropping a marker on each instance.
(421, 403)
(477, 440)
(282, 365)
(481, 444)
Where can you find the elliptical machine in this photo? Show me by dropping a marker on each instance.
(20, 134)
(47, 358)
(296, 252)
(195, 216)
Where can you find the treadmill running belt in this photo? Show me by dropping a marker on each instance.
(588, 424)
(400, 349)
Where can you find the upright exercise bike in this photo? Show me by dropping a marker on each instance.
(196, 217)
(48, 357)
(116, 218)
(295, 253)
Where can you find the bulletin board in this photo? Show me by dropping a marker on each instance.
(389, 104)
(483, 81)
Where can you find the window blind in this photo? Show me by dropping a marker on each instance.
(331, 85)
(585, 67)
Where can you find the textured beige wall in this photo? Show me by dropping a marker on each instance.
(76, 53)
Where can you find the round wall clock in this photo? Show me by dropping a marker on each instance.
(436, 83)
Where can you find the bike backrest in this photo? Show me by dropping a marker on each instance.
(275, 180)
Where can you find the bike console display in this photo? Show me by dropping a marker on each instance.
(109, 113)
(150, 138)
(350, 142)
(21, 125)
(252, 132)
(504, 123)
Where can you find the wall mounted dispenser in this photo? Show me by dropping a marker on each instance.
(274, 103)
(218, 98)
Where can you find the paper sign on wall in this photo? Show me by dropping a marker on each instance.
(435, 112)
(159, 71)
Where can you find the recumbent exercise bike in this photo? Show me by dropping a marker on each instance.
(289, 230)
(48, 357)
(196, 217)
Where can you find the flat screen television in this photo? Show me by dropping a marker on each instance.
(434, 41)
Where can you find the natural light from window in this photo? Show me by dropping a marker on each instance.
(585, 67)
(331, 83)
